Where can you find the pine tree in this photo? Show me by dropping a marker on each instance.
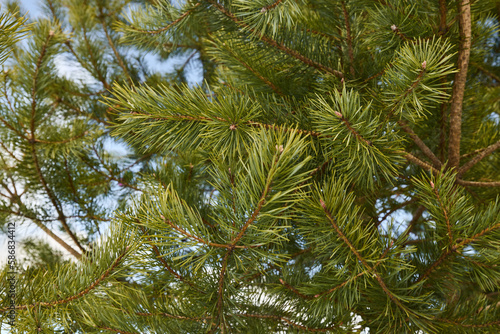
(336, 172)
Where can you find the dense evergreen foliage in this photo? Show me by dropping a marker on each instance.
(336, 171)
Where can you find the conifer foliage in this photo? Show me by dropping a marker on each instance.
(337, 171)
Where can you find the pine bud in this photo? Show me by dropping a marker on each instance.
(279, 148)
(51, 33)
(263, 10)
(424, 64)
(432, 185)
(339, 115)
(162, 217)
(232, 127)
(394, 28)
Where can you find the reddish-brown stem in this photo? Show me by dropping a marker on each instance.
(113, 47)
(275, 44)
(167, 27)
(257, 74)
(354, 132)
(32, 141)
(361, 259)
(459, 85)
(420, 143)
(294, 290)
(349, 38)
(416, 216)
(400, 206)
(61, 141)
(442, 17)
(120, 331)
(442, 132)
(481, 155)
(81, 293)
(271, 6)
(453, 249)
(165, 263)
(447, 219)
(478, 183)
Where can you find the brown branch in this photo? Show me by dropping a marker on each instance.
(455, 248)
(81, 293)
(200, 240)
(442, 17)
(478, 184)
(459, 85)
(171, 316)
(485, 71)
(352, 130)
(165, 263)
(484, 153)
(488, 324)
(349, 39)
(412, 87)
(416, 216)
(271, 6)
(220, 291)
(294, 290)
(258, 208)
(362, 260)
(419, 142)
(279, 46)
(120, 331)
(167, 27)
(61, 141)
(9, 152)
(258, 75)
(32, 141)
(391, 211)
(288, 321)
(113, 47)
(38, 222)
(442, 131)
(448, 224)
(420, 163)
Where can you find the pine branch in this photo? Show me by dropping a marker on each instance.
(113, 47)
(352, 130)
(456, 323)
(78, 295)
(160, 258)
(39, 222)
(445, 213)
(169, 26)
(61, 141)
(459, 85)
(120, 331)
(349, 39)
(420, 163)
(275, 44)
(288, 321)
(220, 290)
(32, 142)
(478, 184)
(362, 260)
(488, 73)
(258, 75)
(454, 249)
(442, 17)
(271, 6)
(200, 240)
(481, 155)
(419, 142)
